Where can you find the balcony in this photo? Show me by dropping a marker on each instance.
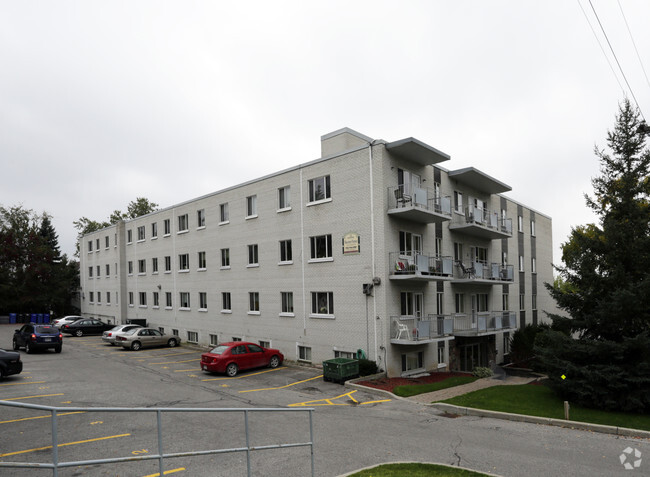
(418, 205)
(484, 323)
(409, 330)
(419, 267)
(481, 223)
(479, 272)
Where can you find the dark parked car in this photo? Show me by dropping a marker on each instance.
(86, 326)
(33, 336)
(10, 363)
(231, 357)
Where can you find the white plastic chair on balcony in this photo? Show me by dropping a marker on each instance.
(403, 328)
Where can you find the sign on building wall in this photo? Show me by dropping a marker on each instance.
(351, 243)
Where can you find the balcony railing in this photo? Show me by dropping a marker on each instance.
(420, 266)
(412, 329)
(484, 322)
(480, 270)
(482, 222)
(419, 204)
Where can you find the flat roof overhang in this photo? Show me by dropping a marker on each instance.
(416, 151)
(479, 180)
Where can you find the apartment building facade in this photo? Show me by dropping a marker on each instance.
(374, 246)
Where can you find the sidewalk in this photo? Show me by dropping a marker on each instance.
(449, 393)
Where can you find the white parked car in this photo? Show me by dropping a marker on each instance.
(109, 335)
(66, 320)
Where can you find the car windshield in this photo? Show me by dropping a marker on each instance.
(219, 349)
(45, 329)
(130, 332)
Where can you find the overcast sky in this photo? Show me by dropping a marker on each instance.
(102, 102)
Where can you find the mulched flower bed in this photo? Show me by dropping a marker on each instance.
(388, 384)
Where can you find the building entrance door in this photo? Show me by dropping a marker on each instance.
(472, 355)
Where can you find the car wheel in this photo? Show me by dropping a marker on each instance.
(171, 343)
(28, 348)
(79, 333)
(16, 347)
(136, 345)
(57, 349)
(231, 370)
(275, 362)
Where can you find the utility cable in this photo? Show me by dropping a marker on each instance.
(634, 43)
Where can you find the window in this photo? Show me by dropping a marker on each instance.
(183, 223)
(202, 261)
(142, 266)
(168, 264)
(321, 247)
(322, 303)
(214, 341)
(154, 265)
(129, 236)
(409, 244)
(533, 265)
(90, 245)
(441, 352)
(411, 304)
(90, 272)
(460, 302)
(251, 206)
(532, 227)
(97, 244)
(264, 344)
(167, 226)
(168, 299)
(253, 302)
(108, 298)
(185, 300)
(225, 302)
(99, 297)
(200, 218)
(458, 202)
(506, 342)
(184, 262)
(130, 298)
(345, 354)
(304, 354)
(154, 230)
(99, 271)
(107, 241)
(92, 297)
(521, 263)
(284, 202)
(522, 301)
(143, 299)
(287, 303)
(482, 302)
(203, 301)
(534, 299)
(108, 269)
(458, 251)
(285, 251)
(520, 223)
(319, 189)
(252, 255)
(225, 258)
(156, 299)
(192, 337)
(412, 361)
(141, 233)
(130, 267)
(224, 216)
(505, 302)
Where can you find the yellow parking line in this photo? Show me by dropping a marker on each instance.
(374, 402)
(186, 370)
(31, 397)
(41, 417)
(175, 362)
(281, 387)
(246, 375)
(63, 445)
(157, 474)
(328, 401)
(159, 355)
(18, 384)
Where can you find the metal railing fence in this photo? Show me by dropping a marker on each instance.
(160, 456)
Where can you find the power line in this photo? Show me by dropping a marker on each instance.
(616, 58)
(634, 43)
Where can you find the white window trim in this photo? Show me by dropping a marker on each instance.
(226, 312)
(182, 308)
(253, 265)
(181, 232)
(287, 315)
(225, 222)
(249, 217)
(202, 227)
(285, 209)
(322, 316)
(256, 313)
(318, 202)
(320, 260)
(288, 262)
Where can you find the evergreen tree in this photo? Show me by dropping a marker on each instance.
(603, 349)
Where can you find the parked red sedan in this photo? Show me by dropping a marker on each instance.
(231, 357)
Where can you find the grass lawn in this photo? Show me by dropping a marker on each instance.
(536, 400)
(416, 470)
(414, 389)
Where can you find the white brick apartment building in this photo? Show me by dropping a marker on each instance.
(374, 246)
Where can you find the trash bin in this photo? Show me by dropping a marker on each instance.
(33, 318)
(12, 318)
(339, 370)
(46, 317)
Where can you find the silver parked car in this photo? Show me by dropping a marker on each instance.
(145, 337)
(109, 335)
(66, 320)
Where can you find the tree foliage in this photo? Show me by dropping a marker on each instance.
(136, 208)
(603, 347)
(34, 276)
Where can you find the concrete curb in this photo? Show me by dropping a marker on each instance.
(470, 411)
(411, 462)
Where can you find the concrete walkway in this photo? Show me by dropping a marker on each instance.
(468, 388)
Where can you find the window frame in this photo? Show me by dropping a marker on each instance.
(314, 248)
(317, 306)
(313, 184)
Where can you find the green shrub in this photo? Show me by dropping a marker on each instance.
(367, 367)
(482, 372)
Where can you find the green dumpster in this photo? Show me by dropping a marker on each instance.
(340, 369)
